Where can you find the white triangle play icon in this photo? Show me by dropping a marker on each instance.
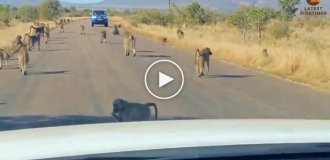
(163, 79)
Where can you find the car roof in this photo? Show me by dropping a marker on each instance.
(64, 141)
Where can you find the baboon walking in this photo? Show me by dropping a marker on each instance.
(129, 43)
(61, 24)
(202, 57)
(180, 33)
(32, 40)
(47, 32)
(82, 29)
(115, 30)
(164, 40)
(4, 56)
(103, 36)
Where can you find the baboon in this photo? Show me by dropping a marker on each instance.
(184, 26)
(124, 111)
(56, 23)
(23, 58)
(129, 43)
(115, 30)
(265, 52)
(32, 40)
(61, 24)
(202, 57)
(82, 29)
(68, 21)
(4, 56)
(119, 25)
(180, 33)
(164, 40)
(103, 36)
(47, 32)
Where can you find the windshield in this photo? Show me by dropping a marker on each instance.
(99, 13)
(163, 60)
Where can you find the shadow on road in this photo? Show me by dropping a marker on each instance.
(145, 51)
(116, 42)
(38, 121)
(1, 103)
(52, 50)
(58, 38)
(229, 76)
(56, 42)
(48, 72)
(152, 56)
(91, 34)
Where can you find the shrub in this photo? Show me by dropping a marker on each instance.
(28, 13)
(279, 29)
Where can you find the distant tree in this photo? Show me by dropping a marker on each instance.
(49, 9)
(86, 11)
(288, 9)
(28, 13)
(4, 13)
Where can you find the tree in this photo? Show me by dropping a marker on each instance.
(287, 9)
(28, 13)
(4, 13)
(49, 9)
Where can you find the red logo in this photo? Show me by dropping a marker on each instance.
(313, 2)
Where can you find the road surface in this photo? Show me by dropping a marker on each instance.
(75, 76)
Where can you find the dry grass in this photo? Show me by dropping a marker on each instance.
(304, 58)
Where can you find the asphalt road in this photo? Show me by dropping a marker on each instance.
(76, 76)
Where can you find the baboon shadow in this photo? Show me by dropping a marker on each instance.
(56, 42)
(116, 42)
(153, 56)
(38, 121)
(229, 76)
(1, 103)
(91, 34)
(48, 73)
(53, 50)
(176, 118)
(58, 38)
(146, 51)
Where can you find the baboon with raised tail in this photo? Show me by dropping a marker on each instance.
(129, 43)
(202, 57)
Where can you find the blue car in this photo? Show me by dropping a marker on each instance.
(99, 17)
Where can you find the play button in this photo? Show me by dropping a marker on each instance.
(164, 79)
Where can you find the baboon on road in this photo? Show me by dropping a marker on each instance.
(115, 30)
(61, 24)
(103, 36)
(23, 58)
(82, 29)
(180, 33)
(32, 40)
(202, 57)
(129, 43)
(47, 32)
(4, 56)
(164, 40)
(124, 111)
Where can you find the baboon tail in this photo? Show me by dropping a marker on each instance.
(155, 107)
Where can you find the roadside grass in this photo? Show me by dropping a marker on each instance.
(303, 58)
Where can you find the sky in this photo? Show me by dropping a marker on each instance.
(225, 5)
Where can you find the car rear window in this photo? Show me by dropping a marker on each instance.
(98, 12)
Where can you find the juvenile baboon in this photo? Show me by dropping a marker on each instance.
(115, 30)
(4, 56)
(124, 111)
(103, 36)
(265, 52)
(47, 32)
(202, 57)
(82, 29)
(180, 33)
(23, 58)
(164, 40)
(184, 26)
(119, 25)
(129, 43)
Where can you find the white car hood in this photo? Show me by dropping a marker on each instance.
(76, 140)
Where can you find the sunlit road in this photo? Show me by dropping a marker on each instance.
(75, 75)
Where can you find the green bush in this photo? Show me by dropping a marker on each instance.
(4, 14)
(28, 13)
(49, 9)
(279, 29)
(151, 16)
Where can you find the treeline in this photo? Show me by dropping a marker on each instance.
(248, 20)
(48, 10)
